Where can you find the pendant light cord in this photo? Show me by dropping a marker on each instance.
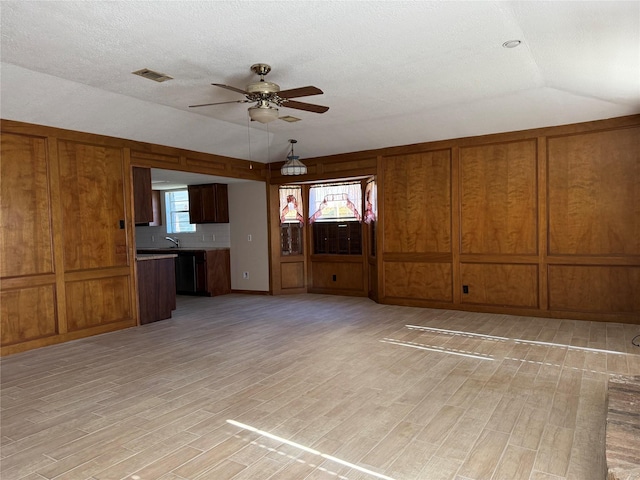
(268, 146)
(249, 135)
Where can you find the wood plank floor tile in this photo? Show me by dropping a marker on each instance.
(461, 438)
(555, 450)
(516, 462)
(438, 428)
(440, 469)
(484, 455)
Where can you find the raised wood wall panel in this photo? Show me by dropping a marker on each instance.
(208, 165)
(349, 165)
(418, 281)
(498, 198)
(500, 284)
(98, 302)
(93, 205)
(594, 193)
(349, 276)
(25, 225)
(605, 289)
(417, 202)
(292, 275)
(28, 314)
(154, 159)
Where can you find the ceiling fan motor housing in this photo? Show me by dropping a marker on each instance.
(262, 88)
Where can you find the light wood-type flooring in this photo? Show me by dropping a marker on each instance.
(316, 387)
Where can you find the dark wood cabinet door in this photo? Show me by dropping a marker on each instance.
(221, 203)
(202, 286)
(156, 289)
(142, 203)
(208, 206)
(195, 204)
(218, 272)
(208, 203)
(156, 208)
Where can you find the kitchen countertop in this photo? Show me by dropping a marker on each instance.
(154, 256)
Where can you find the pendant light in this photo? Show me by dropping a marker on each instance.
(293, 166)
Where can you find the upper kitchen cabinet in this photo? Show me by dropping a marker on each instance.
(156, 208)
(142, 204)
(208, 203)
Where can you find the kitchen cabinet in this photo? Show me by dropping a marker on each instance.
(142, 204)
(218, 272)
(208, 203)
(156, 208)
(205, 272)
(156, 287)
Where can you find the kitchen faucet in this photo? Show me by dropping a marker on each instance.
(174, 240)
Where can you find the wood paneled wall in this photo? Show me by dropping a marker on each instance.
(543, 222)
(67, 246)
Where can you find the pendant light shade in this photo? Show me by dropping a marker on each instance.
(293, 166)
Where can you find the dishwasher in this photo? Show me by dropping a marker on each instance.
(191, 273)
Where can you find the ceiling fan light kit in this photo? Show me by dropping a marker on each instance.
(263, 113)
(293, 165)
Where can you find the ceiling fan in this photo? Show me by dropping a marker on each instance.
(267, 93)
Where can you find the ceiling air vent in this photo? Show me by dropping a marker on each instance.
(289, 118)
(151, 75)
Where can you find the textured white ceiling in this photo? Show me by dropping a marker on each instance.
(392, 73)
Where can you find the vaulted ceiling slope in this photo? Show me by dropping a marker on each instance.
(393, 73)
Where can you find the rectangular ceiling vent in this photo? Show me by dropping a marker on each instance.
(289, 118)
(151, 75)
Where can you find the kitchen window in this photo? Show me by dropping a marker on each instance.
(177, 210)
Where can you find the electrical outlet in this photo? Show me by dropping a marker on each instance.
(249, 238)
(153, 238)
(245, 275)
(465, 288)
(213, 238)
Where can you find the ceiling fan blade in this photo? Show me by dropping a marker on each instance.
(300, 92)
(218, 103)
(309, 107)
(233, 89)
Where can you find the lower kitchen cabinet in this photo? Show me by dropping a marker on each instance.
(203, 272)
(218, 272)
(200, 272)
(156, 287)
